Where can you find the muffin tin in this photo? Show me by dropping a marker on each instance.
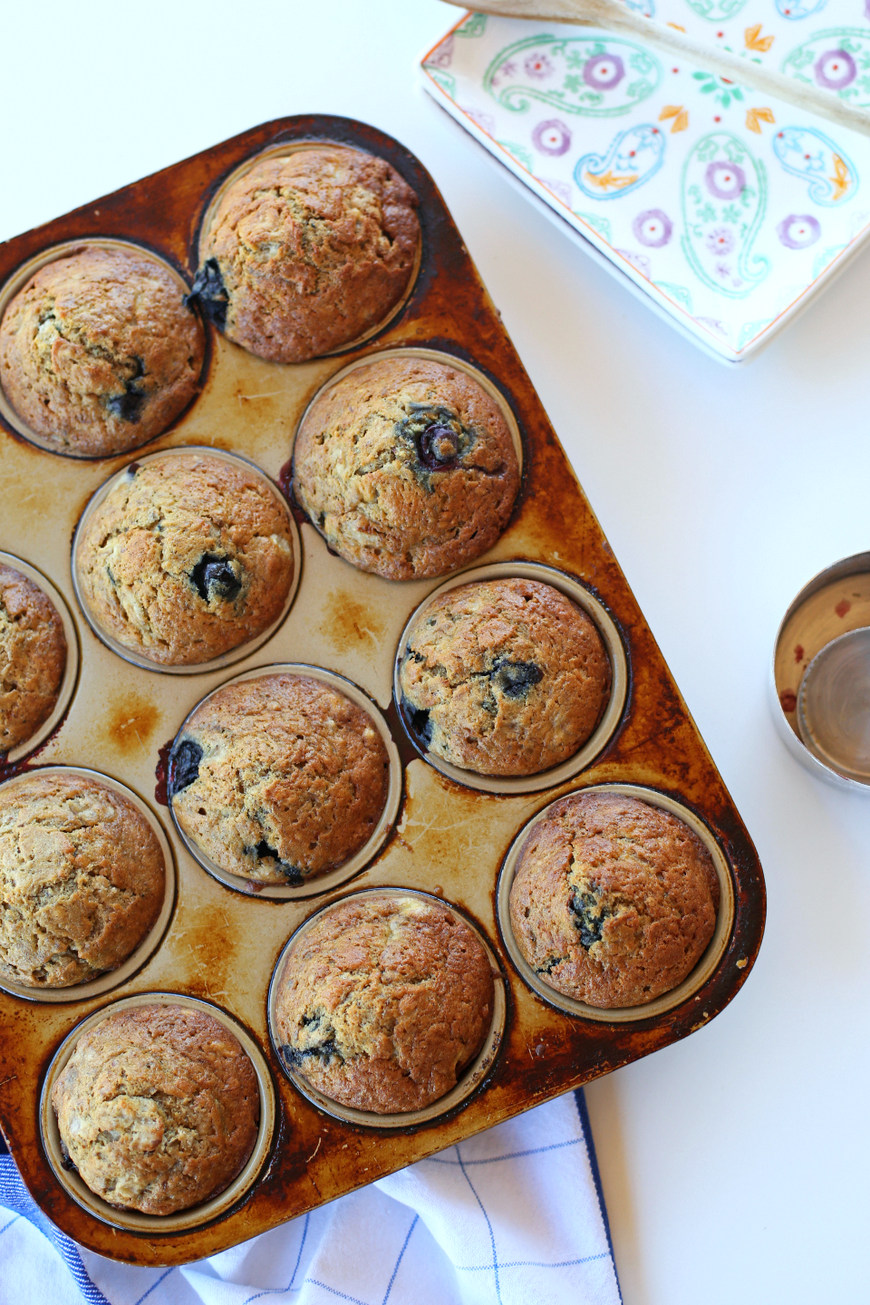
(449, 837)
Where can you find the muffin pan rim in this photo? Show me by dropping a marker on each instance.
(192, 1216)
(232, 655)
(18, 279)
(314, 885)
(69, 681)
(476, 1073)
(706, 964)
(148, 946)
(608, 724)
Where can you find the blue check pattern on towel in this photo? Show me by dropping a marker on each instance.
(513, 1216)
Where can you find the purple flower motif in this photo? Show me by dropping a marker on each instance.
(560, 189)
(538, 66)
(507, 69)
(552, 137)
(835, 69)
(724, 180)
(720, 240)
(443, 56)
(799, 231)
(485, 121)
(653, 228)
(603, 72)
(638, 261)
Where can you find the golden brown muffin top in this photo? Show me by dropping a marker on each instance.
(384, 1002)
(407, 467)
(82, 877)
(308, 251)
(98, 352)
(32, 657)
(188, 556)
(157, 1108)
(279, 778)
(503, 677)
(614, 900)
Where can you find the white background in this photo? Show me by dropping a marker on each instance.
(735, 1164)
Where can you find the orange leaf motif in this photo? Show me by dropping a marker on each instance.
(609, 181)
(670, 111)
(840, 180)
(755, 117)
(755, 41)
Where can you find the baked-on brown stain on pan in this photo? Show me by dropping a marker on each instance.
(224, 944)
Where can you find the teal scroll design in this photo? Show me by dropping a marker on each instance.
(575, 74)
(724, 198)
(716, 11)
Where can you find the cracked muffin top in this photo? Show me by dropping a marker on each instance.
(614, 900)
(157, 1108)
(306, 253)
(407, 467)
(98, 352)
(384, 1002)
(279, 778)
(503, 677)
(82, 877)
(187, 557)
(32, 658)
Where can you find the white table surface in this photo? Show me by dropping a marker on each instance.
(734, 1163)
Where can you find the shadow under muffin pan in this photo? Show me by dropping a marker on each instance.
(449, 836)
(314, 885)
(283, 151)
(609, 720)
(668, 1000)
(19, 280)
(134, 1220)
(152, 940)
(241, 650)
(473, 1076)
(71, 670)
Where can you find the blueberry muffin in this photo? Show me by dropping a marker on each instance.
(157, 1108)
(278, 779)
(306, 253)
(187, 557)
(98, 352)
(32, 658)
(407, 468)
(82, 877)
(614, 900)
(503, 677)
(384, 1002)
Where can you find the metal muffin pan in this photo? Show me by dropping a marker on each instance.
(448, 839)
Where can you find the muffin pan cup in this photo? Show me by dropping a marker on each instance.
(613, 708)
(134, 1220)
(232, 654)
(315, 885)
(19, 279)
(668, 1000)
(71, 670)
(474, 1074)
(449, 839)
(122, 973)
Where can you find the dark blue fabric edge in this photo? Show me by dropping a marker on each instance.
(583, 1112)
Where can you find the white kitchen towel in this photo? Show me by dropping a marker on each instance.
(514, 1216)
